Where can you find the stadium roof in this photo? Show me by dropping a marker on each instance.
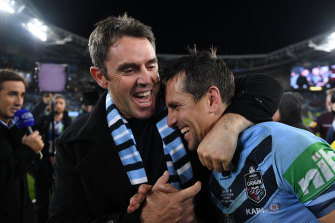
(63, 46)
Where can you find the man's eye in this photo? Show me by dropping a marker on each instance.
(174, 107)
(151, 67)
(128, 71)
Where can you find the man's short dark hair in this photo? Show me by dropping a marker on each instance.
(9, 75)
(108, 31)
(202, 69)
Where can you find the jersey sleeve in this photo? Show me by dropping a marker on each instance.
(305, 166)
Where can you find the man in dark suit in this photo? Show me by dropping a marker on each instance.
(17, 153)
(50, 126)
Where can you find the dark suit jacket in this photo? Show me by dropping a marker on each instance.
(15, 160)
(91, 184)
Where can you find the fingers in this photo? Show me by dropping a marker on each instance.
(167, 188)
(205, 159)
(162, 184)
(137, 199)
(35, 133)
(189, 192)
(135, 202)
(218, 166)
(131, 209)
(162, 180)
(144, 189)
(218, 162)
(201, 158)
(208, 163)
(227, 166)
(34, 141)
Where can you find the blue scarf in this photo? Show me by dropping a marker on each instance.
(177, 163)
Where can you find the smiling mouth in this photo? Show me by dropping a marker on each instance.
(143, 98)
(185, 130)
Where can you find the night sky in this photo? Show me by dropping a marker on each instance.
(234, 27)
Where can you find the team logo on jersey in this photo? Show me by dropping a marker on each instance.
(254, 185)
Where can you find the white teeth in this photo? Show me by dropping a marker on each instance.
(143, 94)
(185, 130)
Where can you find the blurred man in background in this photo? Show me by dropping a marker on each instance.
(51, 119)
(17, 153)
(89, 99)
(322, 123)
(330, 138)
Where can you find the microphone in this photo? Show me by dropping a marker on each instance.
(25, 119)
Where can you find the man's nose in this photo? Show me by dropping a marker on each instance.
(171, 120)
(19, 101)
(145, 77)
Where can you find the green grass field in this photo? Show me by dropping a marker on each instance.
(31, 182)
(307, 121)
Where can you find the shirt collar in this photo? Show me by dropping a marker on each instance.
(11, 123)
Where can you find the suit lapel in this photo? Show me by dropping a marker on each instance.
(101, 166)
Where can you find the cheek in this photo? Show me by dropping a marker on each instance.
(184, 117)
(155, 78)
(123, 84)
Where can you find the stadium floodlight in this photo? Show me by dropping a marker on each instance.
(7, 5)
(37, 28)
(331, 41)
(327, 46)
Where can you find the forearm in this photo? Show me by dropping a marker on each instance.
(232, 123)
(217, 149)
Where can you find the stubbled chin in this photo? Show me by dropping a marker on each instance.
(145, 112)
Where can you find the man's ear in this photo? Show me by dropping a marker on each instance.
(276, 116)
(214, 99)
(99, 77)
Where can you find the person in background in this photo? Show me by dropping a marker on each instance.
(321, 124)
(18, 152)
(280, 174)
(304, 80)
(330, 138)
(124, 141)
(89, 100)
(290, 110)
(295, 74)
(51, 119)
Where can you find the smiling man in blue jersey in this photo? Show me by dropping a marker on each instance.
(279, 174)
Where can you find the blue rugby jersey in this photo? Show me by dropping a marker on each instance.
(284, 174)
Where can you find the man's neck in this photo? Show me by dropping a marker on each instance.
(58, 117)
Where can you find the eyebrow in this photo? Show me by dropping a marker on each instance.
(15, 92)
(134, 65)
(173, 104)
